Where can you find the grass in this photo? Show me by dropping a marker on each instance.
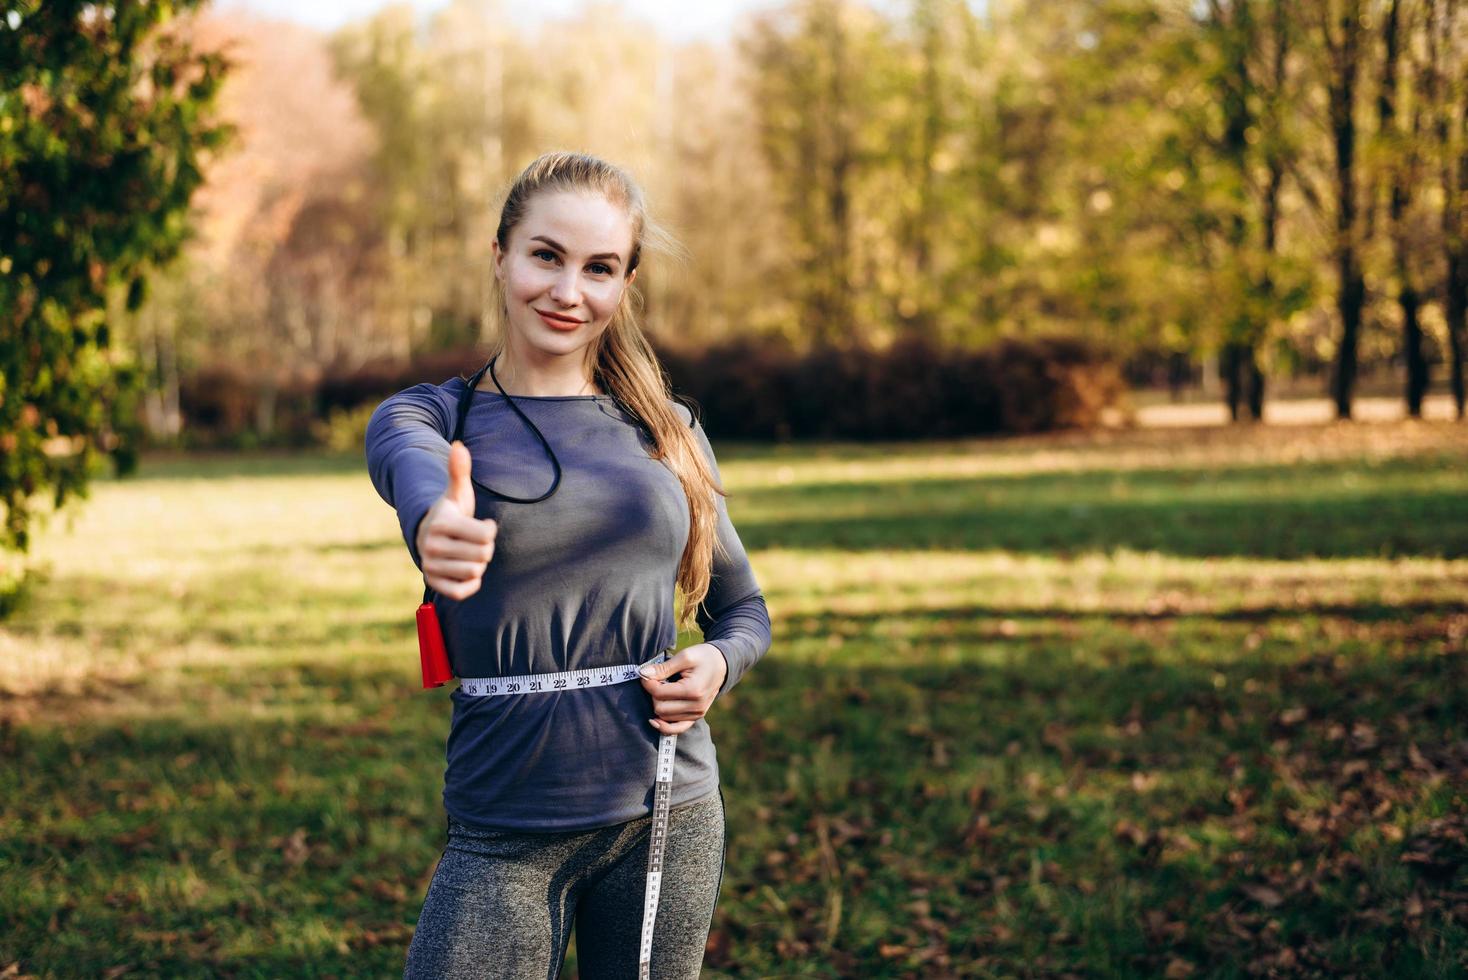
(1181, 703)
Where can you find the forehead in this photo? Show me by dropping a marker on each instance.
(581, 222)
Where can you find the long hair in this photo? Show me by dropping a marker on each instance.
(621, 360)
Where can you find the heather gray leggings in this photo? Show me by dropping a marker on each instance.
(501, 904)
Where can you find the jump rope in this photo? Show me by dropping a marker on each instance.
(436, 671)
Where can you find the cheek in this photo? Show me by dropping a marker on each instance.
(525, 283)
(603, 298)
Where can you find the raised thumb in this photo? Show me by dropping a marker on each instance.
(460, 490)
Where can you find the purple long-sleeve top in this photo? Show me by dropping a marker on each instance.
(582, 579)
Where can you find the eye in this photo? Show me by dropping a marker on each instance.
(601, 268)
(544, 251)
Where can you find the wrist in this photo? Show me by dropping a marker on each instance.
(720, 666)
(420, 535)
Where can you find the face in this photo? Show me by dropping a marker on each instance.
(564, 270)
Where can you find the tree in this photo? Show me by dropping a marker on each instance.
(290, 262)
(1341, 34)
(1447, 63)
(816, 65)
(105, 114)
(1401, 138)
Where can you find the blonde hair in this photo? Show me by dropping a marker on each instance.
(623, 364)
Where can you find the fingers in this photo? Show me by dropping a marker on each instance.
(449, 536)
(680, 710)
(455, 589)
(688, 687)
(680, 702)
(453, 525)
(450, 570)
(445, 548)
(456, 579)
(455, 551)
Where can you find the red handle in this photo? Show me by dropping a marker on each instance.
(436, 669)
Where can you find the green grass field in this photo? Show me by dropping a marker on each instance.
(1181, 703)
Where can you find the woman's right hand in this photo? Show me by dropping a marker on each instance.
(453, 545)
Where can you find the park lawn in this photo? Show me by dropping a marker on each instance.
(1183, 703)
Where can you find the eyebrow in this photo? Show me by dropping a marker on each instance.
(561, 248)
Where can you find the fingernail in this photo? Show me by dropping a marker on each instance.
(647, 672)
(652, 723)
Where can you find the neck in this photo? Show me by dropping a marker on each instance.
(518, 378)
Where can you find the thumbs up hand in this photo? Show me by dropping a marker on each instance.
(453, 545)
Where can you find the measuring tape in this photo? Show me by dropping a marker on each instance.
(580, 680)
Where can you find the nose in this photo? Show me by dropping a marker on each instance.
(566, 289)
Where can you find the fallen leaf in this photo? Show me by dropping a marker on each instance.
(1263, 894)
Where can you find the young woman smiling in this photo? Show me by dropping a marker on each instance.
(555, 534)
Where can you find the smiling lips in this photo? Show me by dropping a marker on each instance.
(558, 322)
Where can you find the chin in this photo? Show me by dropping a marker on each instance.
(546, 341)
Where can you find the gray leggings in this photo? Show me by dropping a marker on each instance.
(501, 903)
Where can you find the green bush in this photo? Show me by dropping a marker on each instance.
(345, 429)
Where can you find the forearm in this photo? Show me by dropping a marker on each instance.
(407, 459)
(742, 634)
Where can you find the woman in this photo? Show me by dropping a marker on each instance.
(607, 494)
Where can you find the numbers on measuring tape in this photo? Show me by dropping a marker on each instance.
(567, 680)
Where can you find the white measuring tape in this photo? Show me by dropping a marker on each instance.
(580, 680)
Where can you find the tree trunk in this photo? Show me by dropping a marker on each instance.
(1266, 284)
(1457, 284)
(1457, 313)
(1412, 349)
(1230, 360)
(161, 413)
(1349, 304)
(1402, 174)
(168, 381)
(1275, 166)
(265, 409)
(836, 321)
(1350, 299)
(1256, 386)
(922, 317)
(1441, 65)
(1178, 374)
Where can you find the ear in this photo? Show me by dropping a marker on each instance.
(630, 276)
(499, 259)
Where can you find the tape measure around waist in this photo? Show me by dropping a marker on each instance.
(585, 679)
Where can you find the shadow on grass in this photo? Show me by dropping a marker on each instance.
(978, 620)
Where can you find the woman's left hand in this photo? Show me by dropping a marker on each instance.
(678, 704)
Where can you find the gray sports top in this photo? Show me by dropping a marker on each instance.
(584, 578)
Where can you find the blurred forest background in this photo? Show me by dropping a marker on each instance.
(898, 219)
(1175, 701)
(1193, 192)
